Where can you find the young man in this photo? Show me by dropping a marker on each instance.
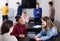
(37, 14)
(52, 11)
(5, 10)
(19, 10)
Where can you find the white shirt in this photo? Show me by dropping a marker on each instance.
(8, 37)
(25, 19)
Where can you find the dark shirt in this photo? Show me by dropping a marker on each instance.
(19, 29)
(19, 10)
(38, 13)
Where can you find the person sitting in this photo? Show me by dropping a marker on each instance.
(19, 30)
(48, 30)
(6, 29)
(25, 17)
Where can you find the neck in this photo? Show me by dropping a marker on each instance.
(20, 23)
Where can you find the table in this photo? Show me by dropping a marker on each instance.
(30, 29)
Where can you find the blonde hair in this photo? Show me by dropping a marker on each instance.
(49, 23)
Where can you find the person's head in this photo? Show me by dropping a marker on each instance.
(47, 23)
(6, 26)
(24, 14)
(37, 5)
(6, 4)
(17, 3)
(19, 19)
(50, 4)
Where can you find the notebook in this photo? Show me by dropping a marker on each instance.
(37, 26)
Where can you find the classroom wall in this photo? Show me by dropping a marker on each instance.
(13, 8)
(57, 9)
(43, 4)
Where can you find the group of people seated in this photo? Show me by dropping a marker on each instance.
(17, 32)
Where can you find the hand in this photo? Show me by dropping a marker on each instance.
(22, 35)
(35, 37)
(38, 12)
(38, 39)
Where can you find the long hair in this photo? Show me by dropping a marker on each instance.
(6, 26)
(49, 23)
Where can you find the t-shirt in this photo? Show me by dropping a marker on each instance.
(4, 10)
(8, 37)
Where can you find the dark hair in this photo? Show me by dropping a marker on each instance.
(51, 3)
(17, 17)
(37, 3)
(17, 3)
(6, 4)
(24, 12)
(7, 24)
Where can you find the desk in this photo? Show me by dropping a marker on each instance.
(31, 29)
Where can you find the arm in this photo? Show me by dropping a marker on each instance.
(25, 32)
(35, 12)
(27, 19)
(39, 34)
(49, 35)
(40, 12)
(14, 32)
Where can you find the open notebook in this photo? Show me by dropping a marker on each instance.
(37, 26)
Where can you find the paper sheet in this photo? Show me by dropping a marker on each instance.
(37, 26)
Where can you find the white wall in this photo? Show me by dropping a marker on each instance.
(57, 9)
(13, 7)
(43, 4)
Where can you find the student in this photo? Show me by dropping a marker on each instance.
(5, 10)
(19, 30)
(52, 11)
(48, 30)
(25, 17)
(37, 13)
(6, 29)
(19, 10)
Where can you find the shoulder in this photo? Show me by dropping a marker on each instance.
(13, 38)
(54, 29)
(16, 25)
(40, 8)
(9, 37)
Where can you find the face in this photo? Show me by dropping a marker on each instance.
(17, 4)
(43, 23)
(23, 14)
(20, 20)
(49, 5)
(37, 5)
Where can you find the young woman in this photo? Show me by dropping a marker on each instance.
(25, 17)
(48, 30)
(6, 29)
(19, 30)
